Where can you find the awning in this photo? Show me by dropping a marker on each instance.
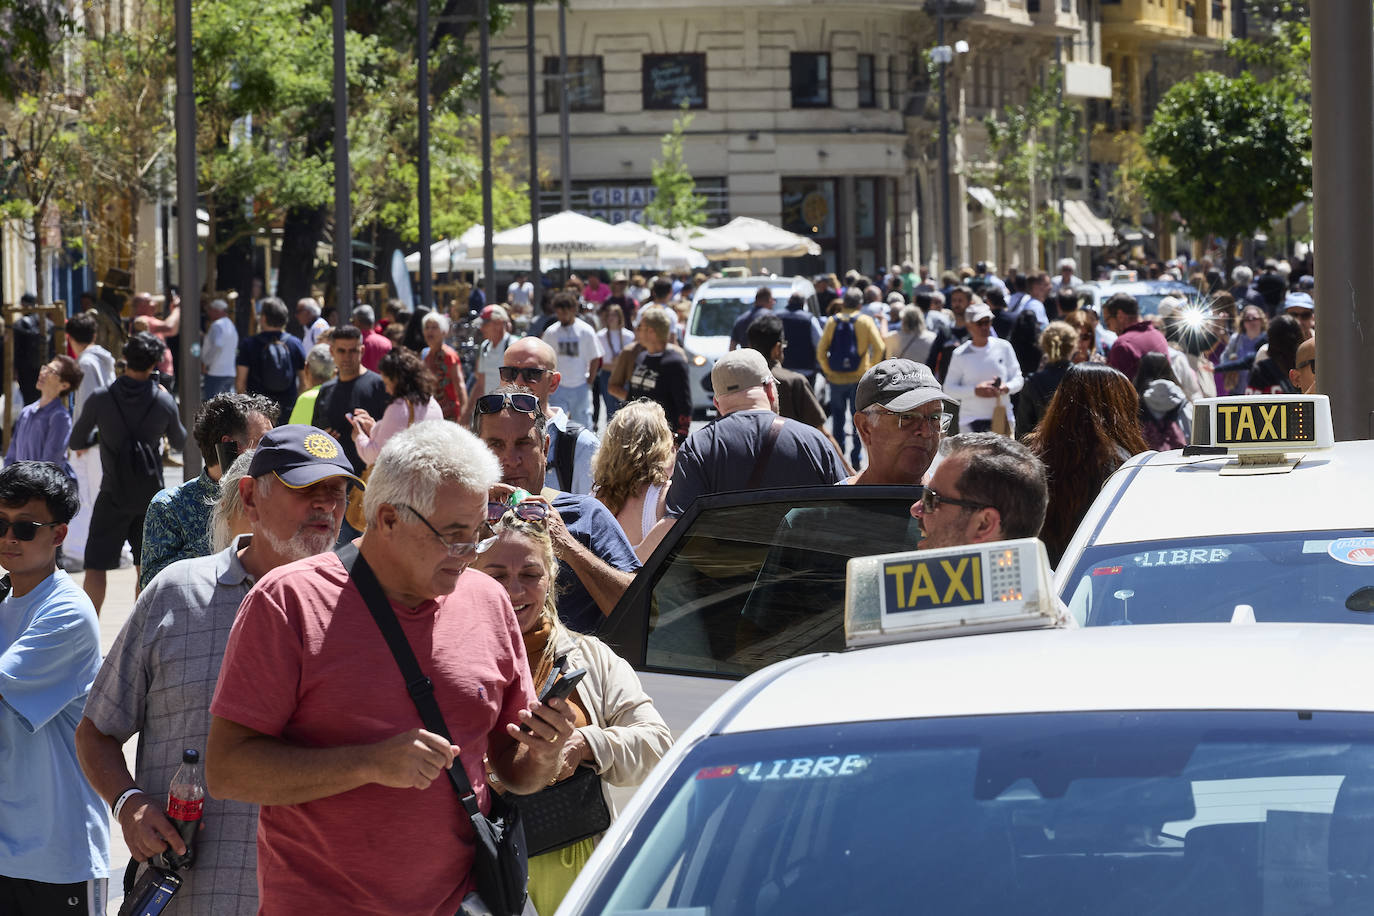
(1089, 230)
(988, 200)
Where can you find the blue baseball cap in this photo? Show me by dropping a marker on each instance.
(301, 456)
(1299, 300)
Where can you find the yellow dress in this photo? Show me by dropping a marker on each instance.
(552, 874)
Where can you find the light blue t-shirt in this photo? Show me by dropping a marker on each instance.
(54, 828)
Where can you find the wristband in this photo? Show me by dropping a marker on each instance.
(124, 797)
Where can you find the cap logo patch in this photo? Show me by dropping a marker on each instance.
(321, 446)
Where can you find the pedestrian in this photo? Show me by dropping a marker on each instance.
(1058, 343)
(272, 362)
(579, 360)
(611, 341)
(660, 371)
(218, 351)
(1304, 374)
(176, 525)
(912, 340)
(849, 346)
(97, 372)
(597, 560)
(145, 315)
(618, 737)
(1091, 427)
(801, 331)
(796, 399)
(983, 374)
(1164, 419)
(900, 414)
(1271, 374)
(1067, 277)
(410, 386)
(985, 488)
(312, 719)
(160, 674)
(355, 387)
(131, 416)
(308, 313)
(44, 427)
(444, 364)
(955, 330)
(572, 446)
(520, 293)
(1299, 306)
(1135, 336)
(375, 344)
(54, 830)
(631, 473)
(319, 368)
(739, 332)
(33, 346)
(491, 353)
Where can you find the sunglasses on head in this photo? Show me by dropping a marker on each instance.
(527, 511)
(495, 403)
(531, 375)
(23, 531)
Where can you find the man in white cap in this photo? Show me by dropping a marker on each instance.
(900, 413)
(1067, 278)
(750, 447)
(983, 373)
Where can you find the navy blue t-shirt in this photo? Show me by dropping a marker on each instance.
(593, 525)
(251, 355)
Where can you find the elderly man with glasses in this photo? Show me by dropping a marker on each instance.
(986, 488)
(900, 413)
(314, 721)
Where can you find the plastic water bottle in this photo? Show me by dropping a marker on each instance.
(185, 805)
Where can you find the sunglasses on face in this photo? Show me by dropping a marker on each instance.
(495, 403)
(511, 373)
(528, 511)
(1305, 364)
(930, 501)
(23, 531)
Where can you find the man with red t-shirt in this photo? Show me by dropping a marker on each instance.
(312, 719)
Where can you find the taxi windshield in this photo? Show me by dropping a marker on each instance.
(1303, 576)
(1175, 812)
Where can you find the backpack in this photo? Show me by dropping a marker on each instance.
(275, 371)
(135, 454)
(843, 353)
(564, 451)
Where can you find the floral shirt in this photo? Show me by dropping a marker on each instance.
(177, 526)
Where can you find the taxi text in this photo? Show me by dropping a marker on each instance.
(920, 585)
(1281, 421)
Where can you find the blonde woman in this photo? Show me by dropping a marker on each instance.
(631, 470)
(1058, 342)
(619, 733)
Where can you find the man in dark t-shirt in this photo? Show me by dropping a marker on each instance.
(355, 387)
(739, 334)
(272, 363)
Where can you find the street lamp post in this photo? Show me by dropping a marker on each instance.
(488, 252)
(422, 170)
(343, 211)
(188, 244)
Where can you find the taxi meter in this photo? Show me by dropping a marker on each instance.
(953, 591)
(1262, 429)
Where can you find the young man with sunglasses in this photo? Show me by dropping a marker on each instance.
(987, 487)
(596, 561)
(531, 363)
(54, 830)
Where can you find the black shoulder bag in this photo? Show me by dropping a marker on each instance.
(500, 865)
(564, 453)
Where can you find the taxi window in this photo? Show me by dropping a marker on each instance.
(751, 585)
(1312, 577)
(1212, 813)
(717, 317)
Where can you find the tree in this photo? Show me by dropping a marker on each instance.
(677, 203)
(1227, 155)
(30, 32)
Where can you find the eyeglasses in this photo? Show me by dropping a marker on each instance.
(528, 511)
(531, 375)
(930, 501)
(520, 403)
(1300, 314)
(927, 422)
(456, 549)
(23, 531)
(1302, 365)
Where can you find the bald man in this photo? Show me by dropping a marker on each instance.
(1303, 375)
(532, 363)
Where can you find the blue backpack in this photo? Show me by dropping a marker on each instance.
(843, 353)
(275, 370)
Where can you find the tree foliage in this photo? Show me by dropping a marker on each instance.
(1228, 155)
(677, 203)
(30, 33)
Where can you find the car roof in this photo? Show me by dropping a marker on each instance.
(1159, 496)
(752, 284)
(1195, 666)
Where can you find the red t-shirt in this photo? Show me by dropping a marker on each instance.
(305, 662)
(375, 346)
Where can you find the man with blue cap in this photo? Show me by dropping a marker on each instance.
(158, 679)
(1304, 310)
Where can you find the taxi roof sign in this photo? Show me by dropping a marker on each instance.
(952, 591)
(1264, 424)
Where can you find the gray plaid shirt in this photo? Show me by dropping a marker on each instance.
(157, 682)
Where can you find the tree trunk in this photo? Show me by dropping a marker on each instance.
(40, 270)
(301, 236)
(132, 202)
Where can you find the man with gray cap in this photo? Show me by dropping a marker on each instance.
(750, 447)
(900, 414)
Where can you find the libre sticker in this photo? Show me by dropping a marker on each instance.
(1352, 551)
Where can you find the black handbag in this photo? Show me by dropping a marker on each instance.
(500, 866)
(565, 812)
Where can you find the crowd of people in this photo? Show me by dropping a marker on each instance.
(361, 477)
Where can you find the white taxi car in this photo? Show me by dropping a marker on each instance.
(1263, 516)
(1204, 769)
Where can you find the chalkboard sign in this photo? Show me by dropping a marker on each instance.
(671, 79)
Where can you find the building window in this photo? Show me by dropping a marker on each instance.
(586, 84)
(673, 79)
(868, 81)
(810, 80)
(894, 84)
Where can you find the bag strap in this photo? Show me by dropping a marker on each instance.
(565, 451)
(765, 452)
(420, 687)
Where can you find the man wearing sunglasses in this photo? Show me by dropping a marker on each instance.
(900, 413)
(312, 719)
(532, 364)
(1304, 374)
(54, 833)
(596, 561)
(987, 487)
(159, 676)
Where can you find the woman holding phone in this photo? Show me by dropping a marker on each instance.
(619, 735)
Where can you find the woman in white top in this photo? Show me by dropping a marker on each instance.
(983, 374)
(412, 386)
(611, 340)
(631, 470)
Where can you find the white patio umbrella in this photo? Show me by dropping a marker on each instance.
(758, 239)
(712, 243)
(572, 235)
(670, 254)
(450, 255)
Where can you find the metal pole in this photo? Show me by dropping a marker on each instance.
(535, 277)
(1343, 184)
(343, 209)
(488, 220)
(564, 138)
(188, 244)
(422, 178)
(945, 212)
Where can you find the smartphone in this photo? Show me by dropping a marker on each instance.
(564, 686)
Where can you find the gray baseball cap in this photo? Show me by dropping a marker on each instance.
(899, 384)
